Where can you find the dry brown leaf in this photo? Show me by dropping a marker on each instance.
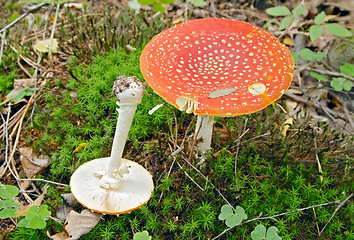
(20, 85)
(23, 209)
(31, 163)
(42, 46)
(77, 225)
(286, 125)
(69, 201)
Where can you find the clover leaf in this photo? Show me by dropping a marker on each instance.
(233, 218)
(260, 233)
(8, 191)
(144, 235)
(35, 217)
(341, 84)
(347, 69)
(8, 206)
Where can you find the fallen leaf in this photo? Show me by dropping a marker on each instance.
(77, 225)
(81, 145)
(31, 163)
(69, 202)
(286, 125)
(23, 209)
(70, 199)
(178, 20)
(42, 46)
(288, 41)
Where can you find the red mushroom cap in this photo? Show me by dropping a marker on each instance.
(217, 67)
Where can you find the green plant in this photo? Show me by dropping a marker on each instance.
(308, 55)
(334, 28)
(158, 7)
(20, 95)
(260, 233)
(35, 217)
(338, 83)
(159, 4)
(341, 83)
(232, 217)
(315, 30)
(144, 235)
(7, 205)
(235, 217)
(282, 11)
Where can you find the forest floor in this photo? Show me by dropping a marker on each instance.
(289, 165)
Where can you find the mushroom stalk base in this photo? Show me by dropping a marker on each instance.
(204, 131)
(134, 189)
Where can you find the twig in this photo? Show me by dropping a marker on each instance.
(207, 180)
(35, 7)
(329, 112)
(53, 30)
(318, 228)
(281, 214)
(213, 8)
(331, 73)
(179, 165)
(2, 45)
(244, 131)
(335, 211)
(42, 180)
(290, 23)
(13, 119)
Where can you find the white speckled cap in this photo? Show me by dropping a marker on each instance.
(218, 67)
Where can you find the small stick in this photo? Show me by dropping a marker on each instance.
(335, 211)
(331, 73)
(42, 180)
(2, 45)
(281, 214)
(38, 6)
(207, 180)
(244, 131)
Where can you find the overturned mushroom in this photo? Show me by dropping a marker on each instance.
(115, 185)
(217, 67)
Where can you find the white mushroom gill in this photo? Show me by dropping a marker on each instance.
(186, 104)
(129, 93)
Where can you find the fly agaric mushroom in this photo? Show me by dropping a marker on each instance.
(217, 67)
(115, 185)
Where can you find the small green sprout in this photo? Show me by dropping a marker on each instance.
(198, 3)
(35, 217)
(282, 11)
(315, 30)
(260, 233)
(233, 218)
(7, 205)
(318, 76)
(144, 235)
(308, 55)
(334, 28)
(20, 95)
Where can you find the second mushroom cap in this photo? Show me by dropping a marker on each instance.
(217, 67)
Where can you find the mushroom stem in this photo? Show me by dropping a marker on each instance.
(204, 131)
(129, 92)
(125, 118)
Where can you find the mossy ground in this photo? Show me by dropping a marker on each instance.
(275, 174)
